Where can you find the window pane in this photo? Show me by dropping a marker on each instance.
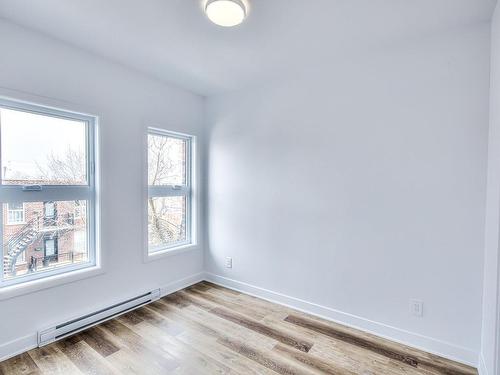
(166, 221)
(50, 247)
(40, 149)
(167, 160)
(80, 241)
(41, 244)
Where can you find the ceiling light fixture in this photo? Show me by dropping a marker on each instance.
(226, 13)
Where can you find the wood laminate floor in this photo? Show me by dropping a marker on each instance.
(207, 329)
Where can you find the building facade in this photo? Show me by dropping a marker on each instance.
(43, 235)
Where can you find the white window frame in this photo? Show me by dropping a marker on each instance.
(187, 191)
(16, 222)
(16, 193)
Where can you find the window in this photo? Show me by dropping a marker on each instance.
(49, 213)
(49, 210)
(170, 190)
(70, 218)
(47, 175)
(50, 247)
(15, 213)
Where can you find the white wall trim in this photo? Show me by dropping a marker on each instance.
(482, 369)
(26, 343)
(415, 340)
(18, 346)
(182, 283)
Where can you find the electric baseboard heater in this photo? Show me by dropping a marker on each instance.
(73, 326)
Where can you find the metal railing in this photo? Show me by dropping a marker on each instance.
(33, 224)
(47, 261)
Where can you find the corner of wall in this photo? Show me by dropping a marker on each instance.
(482, 365)
(489, 356)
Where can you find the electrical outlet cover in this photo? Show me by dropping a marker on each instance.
(417, 307)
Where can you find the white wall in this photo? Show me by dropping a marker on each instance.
(359, 185)
(42, 70)
(490, 329)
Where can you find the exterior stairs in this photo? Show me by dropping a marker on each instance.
(17, 245)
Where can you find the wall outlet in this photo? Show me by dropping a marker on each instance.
(229, 262)
(417, 308)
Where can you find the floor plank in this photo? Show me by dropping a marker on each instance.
(268, 359)
(98, 341)
(140, 345)
(312, 361)
(20, 364)
(85, 358)
(50, 360)
(190, 358)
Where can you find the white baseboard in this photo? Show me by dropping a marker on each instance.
(18, 346)
(415, 340)
(181, 284)
(483, 370)
(26, 343)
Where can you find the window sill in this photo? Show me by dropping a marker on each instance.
(28, 287)
(168, 252)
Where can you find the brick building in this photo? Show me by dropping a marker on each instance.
(42, 235)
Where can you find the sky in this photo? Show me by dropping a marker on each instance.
(28, 139)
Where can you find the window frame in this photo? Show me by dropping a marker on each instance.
(187, 190)
(87, 192)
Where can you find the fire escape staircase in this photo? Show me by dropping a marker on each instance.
(26, 236)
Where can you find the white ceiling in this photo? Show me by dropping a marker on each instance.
(172, 39)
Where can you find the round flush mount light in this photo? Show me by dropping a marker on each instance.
(226, 13)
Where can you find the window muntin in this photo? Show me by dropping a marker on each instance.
(50, 199)
(170, 190)
(15, 213)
